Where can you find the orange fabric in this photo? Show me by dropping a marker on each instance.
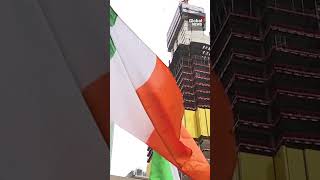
(163, 102)
(195, 165)
(97, 98)
(223, 143)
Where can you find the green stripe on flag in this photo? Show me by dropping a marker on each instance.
(160, 168)
(112, 48)
(113, 17)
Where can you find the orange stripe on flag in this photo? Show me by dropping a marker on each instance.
(97, 98)
(162, 100)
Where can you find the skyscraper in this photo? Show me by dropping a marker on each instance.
(267, 55)
(190, 65)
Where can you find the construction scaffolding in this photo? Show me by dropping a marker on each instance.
(267, 54)
(191, 67)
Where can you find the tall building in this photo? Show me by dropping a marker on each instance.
(190, 65)
(267, 55)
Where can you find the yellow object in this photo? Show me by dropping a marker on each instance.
(255, 167)
(197, 122)
(290, 164)
(287, 164)
(312, 164)
(296, 164)
(281, 165)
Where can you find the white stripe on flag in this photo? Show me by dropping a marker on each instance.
(174, 171)
(135, 119)
(139, 61)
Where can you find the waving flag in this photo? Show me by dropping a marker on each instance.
(161, 169)
(146, 101)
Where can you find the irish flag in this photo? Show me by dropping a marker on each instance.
(146, 102)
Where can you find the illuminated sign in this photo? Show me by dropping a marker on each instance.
(197, 24)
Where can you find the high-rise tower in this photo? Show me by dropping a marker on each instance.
(267, 55)
(190, 65)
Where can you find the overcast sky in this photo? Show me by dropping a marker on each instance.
(150, 20)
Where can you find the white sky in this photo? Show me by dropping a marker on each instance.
(150, 20)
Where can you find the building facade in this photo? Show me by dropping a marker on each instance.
(190, 65)
(267, 55)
